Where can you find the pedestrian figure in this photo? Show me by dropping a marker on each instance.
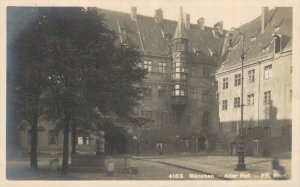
(159, 147)
(278, 171)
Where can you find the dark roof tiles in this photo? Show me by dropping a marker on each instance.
(148, 36)
(259, 44)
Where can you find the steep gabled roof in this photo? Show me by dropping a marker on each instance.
(259, 44)
(149, 37)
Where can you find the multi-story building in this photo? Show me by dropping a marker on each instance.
(188, 108)
(267, 85)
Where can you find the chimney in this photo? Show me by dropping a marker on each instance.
(201, 23)
(264, 19)
(158, 16)
(219, 27)
(187, 21)
(133, 13)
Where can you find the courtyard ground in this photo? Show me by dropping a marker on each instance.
(160, 167)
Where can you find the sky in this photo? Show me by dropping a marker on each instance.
(232, 13)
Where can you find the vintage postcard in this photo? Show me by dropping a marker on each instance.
(150, 93)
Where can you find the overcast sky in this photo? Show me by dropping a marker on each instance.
(232, 13)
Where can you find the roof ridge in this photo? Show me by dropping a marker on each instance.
(146, 16)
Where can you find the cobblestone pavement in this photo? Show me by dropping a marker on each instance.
(148, 170)
(224, 166)
(165, 167)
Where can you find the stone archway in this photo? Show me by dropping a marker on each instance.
(116, 141)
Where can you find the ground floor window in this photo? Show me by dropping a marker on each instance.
(83, 138)
(219, 145)
(267, 131)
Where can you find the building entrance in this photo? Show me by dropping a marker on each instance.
(116, 142)
(201, 143)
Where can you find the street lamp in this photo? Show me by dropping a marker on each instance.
(136, 139)
(241, 148)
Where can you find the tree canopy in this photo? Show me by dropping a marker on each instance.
(70, 63)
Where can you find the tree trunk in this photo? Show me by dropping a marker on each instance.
(74, 136)
(66, 144)
(34, 135)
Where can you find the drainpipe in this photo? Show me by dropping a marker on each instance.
(258, 105)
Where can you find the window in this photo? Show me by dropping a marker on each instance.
(220, 127)
(237, 101)
(83, 138)
(147, 91)
(219, 145)
(250, 132)
(205, 119)
(251, 76)
(286, 130)
(225, 83)
(180, 76)
(267, 131)
(234, 126)
(193, 73)
(237, 79)
(268, 71)
(179, 90)
(163, 117)
(52, 137)
(250, 99)
(277, 44)
(224, 105)
(180, 70)
(205, 95)
(205, 72)
(193, 94)
(267, 97)
(162, 91)
(148, 65)
(162, 67)
(186, 119)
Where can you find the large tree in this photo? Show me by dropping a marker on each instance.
(84, 67)
(27, 72)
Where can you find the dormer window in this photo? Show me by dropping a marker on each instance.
(253, 38)
(212, 54)
(276, 29)
(167, 36)
(265, 49)
(277, 43)
(196, 51)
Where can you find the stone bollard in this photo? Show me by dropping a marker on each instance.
(110, 168)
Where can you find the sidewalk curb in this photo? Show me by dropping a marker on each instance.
(183, 167)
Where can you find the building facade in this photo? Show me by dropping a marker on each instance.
(192, 90)
(267, 85)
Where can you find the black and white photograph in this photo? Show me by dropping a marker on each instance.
(150, 91)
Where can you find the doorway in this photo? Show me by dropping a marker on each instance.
(116, 142)
(233, 148)
(201, 144)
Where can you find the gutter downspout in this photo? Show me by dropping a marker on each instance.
(258, 104)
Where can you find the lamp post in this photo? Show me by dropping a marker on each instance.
(241, 147)
(137, 143)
